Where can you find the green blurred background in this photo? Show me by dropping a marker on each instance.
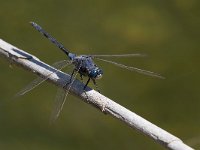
(167, 31)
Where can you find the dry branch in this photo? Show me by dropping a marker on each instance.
(105, 104)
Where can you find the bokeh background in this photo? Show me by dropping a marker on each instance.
(166, 31)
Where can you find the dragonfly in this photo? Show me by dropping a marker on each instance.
(83, 65)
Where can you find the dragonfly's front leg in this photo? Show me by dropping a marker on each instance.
(103, 106)
(96, 85)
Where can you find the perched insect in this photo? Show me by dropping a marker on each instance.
(84, 65)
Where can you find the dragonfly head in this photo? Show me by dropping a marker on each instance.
(96, 73)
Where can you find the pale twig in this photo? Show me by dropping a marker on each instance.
(106, 105)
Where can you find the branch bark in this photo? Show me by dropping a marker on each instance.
(106, 105)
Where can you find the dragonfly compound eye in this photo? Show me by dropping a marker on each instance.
(99, 74)
(96, 73)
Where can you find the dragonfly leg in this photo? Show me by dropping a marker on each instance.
(70, 80)
(103, 106)
(81, 76)
(96, 85)
(84, 87)
(86, 83)
(71, 76)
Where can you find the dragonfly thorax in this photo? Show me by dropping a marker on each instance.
(86, 67)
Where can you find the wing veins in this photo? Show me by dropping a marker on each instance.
(118, 55)
(58, 65)
(145, 72)
(60, 99)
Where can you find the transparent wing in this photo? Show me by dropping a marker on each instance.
(118, 55)
(60, 99)
(145, 72)
(58, 65)
(58, 105)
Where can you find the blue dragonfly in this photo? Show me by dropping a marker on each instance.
(83, 65)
